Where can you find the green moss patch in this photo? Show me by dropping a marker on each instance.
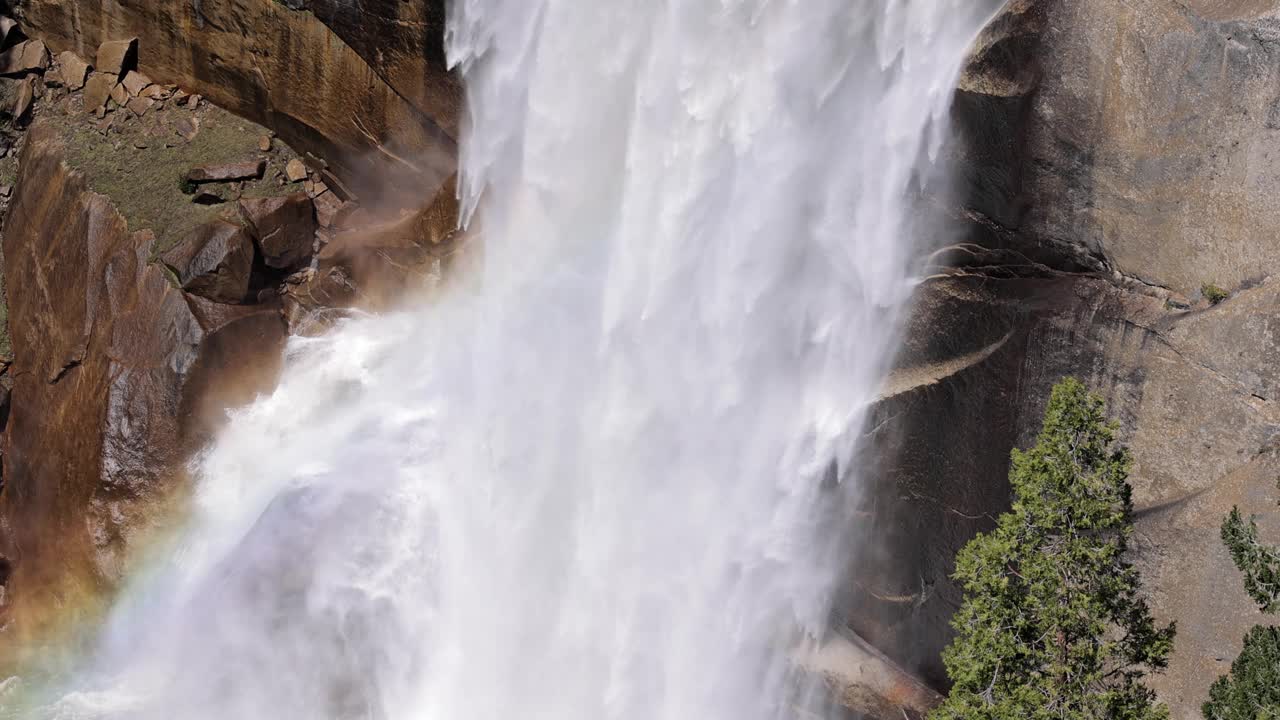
(140, 162)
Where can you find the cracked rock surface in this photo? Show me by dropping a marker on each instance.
(1117, 156)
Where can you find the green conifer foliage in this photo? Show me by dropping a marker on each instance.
(1053, 624)
(1260, 563)
(1251, 691)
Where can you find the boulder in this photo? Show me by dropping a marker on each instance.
(295, 170)
(97, 90)
(327, 208)
(373, 263)
(135, 82)
(117, 57)
(25, 57)
(73, 70)
(188, 128)
(284, 227)
(228, 172)
(215, 262)
(119, 95)
(23, 99)
(8, 30)
(314, 300)
(140, 106)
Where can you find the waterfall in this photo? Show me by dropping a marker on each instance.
(604, 473)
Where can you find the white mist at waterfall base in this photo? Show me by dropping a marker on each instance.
(596, 476)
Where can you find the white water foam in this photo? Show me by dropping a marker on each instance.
(597, 478)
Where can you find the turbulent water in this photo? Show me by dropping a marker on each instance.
(603, 473)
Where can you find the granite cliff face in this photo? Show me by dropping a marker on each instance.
(1117, 156)
(109, 360)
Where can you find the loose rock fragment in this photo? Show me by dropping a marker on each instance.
(7, 25)
(27, 56)
(140, 105)
(24, 98)
(135, 82)
(215, 261)
(284, 227)
(73, 70)
(97, 90)
(228, 172)
(118, 57)
(188, 128)
(264, 143)
(327, 207)
(333, 183)
(295, 170)
(119, 95)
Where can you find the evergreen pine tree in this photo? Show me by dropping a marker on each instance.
(1251, 691)
(1260, 563)
(1053, 624)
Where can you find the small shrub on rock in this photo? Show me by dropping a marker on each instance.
(1213, 293)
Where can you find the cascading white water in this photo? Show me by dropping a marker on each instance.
(595, 478)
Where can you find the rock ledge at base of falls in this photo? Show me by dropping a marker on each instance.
(137, 314)
(110, 365)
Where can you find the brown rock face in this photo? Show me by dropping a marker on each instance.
(1152, 124)
(140, 106)
(27, 56)
(135, 82)
(402, 43)
(295, 171)
(119, 96)
(294, 74)
(285, 228)
(214, 262)
(73, 69)
(375, 264)
(23, 99)
(117, 56)
(97, 89)
(1116, 157)
(113, 376)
